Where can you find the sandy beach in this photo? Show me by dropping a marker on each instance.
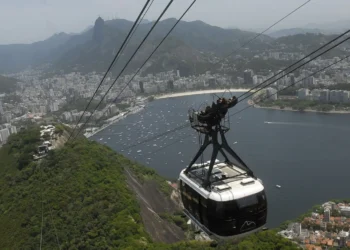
(198, 92)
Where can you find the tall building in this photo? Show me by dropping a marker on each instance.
(248, 76)
(1, 109)
(346, 97)
(113, 109)
(271, 94)
(345, 211)
(178, 73)
(212, 82)
(324, 95)
(326, 215)
(5, 133)
(303, 94)
(67, 116)
(8, 116)
(336, 96)
(240, 80)
(292, 79)
(309, 82)
(170, 85)
(342, 238)
(13, 130)
(255, 80)
(315, 94)
(334, 206)
(142, 90)
(297, 228)
(54, 107)
(42, 109)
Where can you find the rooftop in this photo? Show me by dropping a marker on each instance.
(227, 181)
(221, 175)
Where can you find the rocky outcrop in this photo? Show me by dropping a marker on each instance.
(98, 32)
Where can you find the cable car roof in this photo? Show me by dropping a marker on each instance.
(231, 182)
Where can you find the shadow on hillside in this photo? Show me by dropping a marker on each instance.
(152, 203)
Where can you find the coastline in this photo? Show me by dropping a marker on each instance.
(137, 109)
(306, 110)
(121, 116)
(197, 92)
(115, 119)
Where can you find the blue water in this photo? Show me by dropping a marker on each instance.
(306, 153)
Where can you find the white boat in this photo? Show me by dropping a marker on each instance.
(278, 186)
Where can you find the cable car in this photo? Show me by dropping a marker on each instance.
(223, 199)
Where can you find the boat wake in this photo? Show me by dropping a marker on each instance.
(294, 124)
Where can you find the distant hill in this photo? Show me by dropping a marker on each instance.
(15, 57)
(189, 48)
(314, 28)
(145, 21)
(311, 42)
(323, 28)
(293, 31)
(7, 84)
(82, 52)
(192, 47)
(330, 27)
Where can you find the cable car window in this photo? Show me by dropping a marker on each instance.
(262, 201)
(203, 201)
(262, 196)
(247, 201)
(220, 210)
(230, 210)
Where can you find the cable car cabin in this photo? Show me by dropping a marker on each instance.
(234, 205)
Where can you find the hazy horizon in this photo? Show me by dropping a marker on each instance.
(31, 21)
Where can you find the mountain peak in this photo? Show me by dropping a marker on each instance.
(98, 30)
(99, 20)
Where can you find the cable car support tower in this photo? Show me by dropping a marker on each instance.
(214, 123)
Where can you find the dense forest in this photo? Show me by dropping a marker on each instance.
(86, 201)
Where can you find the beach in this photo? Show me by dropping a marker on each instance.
(198, 92)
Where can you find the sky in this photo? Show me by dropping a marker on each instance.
(27, 21)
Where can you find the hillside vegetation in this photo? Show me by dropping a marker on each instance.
(86, 201)
(7, 84)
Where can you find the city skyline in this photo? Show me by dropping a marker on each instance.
(35, 21)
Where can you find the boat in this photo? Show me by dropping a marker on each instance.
(278, 186)
(224, 199)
